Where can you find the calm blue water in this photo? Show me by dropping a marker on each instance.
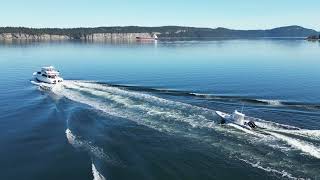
(146, 110)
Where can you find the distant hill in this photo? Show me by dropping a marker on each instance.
(288, 31)
(165, 32)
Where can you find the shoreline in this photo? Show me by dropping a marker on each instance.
(163, 32)
(94, 36)
(133, 39)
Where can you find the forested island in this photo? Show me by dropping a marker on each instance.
(314, 37)
(131, 32)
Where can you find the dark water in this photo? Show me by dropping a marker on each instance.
(146, 110)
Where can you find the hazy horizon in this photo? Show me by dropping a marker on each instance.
(150, 26)
(244, 15)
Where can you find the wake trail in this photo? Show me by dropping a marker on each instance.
(245, 130)
(282, 173)
(96, 174)
(305, 147)
(140, 107)
(134, 106)
(138, 95)
(292, 130)
(274, 129)
(166, 115)
(312, 134)
(97, 152)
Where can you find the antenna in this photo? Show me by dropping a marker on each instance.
(242, 107)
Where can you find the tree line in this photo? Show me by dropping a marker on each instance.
(167, 31)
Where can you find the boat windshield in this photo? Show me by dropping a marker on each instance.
(50, 68)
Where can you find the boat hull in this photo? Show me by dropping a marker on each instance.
(42, 85)
(227, 118)
(48, 80)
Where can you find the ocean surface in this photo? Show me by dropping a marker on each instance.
(137, 110)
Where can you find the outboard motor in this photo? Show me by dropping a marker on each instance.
(223, 121)
(252, 124)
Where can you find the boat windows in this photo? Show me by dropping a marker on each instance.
(44, 75)
(38, 72)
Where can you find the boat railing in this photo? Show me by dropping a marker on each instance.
(252, 118)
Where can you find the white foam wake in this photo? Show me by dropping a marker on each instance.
(142, 96)
(245, 130)
(283, 173)
(312, 134)
(276, 127)
(96, 174)
(87, 146)
(273, 125)
(137, 106)
(147, 109)
(152, 106)
(272, 102)
(305, 147)
(97, 152)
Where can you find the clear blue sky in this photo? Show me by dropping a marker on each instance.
(237, 14)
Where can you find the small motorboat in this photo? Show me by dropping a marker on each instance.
(237, 118)
(48, 75)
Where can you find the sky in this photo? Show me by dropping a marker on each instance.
(234, 14)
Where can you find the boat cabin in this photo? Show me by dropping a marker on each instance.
(238, 116)
(48, 74)
(50, 71)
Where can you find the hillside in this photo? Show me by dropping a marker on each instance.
(163, 32)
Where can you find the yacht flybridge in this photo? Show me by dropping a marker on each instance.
(48, 75)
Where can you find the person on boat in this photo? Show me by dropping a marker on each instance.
(252, 124)
(223, 121)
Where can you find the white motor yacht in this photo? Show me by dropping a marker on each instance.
(48, 75)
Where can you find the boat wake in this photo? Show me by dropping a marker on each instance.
(96, 174)
(230, 98)
(305, 147)
(282, 173)
(217, 97)
(258, 101)
(187, 120)
(136, 106)
(93, 150)
(245, 130)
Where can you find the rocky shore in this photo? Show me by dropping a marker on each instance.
(92, 37)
